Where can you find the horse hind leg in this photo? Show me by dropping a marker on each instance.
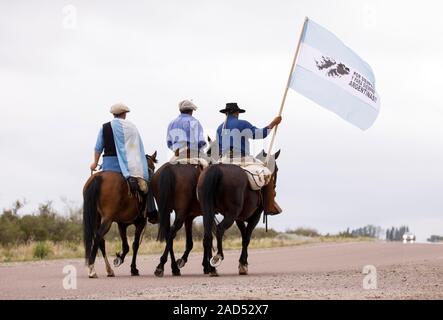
(140, 226)
(178, 223)
(243, 261)
(109, 270)
(120, 256)
(246, 233)
(207, 252)
(221, 228)
(189, 243)
(102, 230)
(159, 271)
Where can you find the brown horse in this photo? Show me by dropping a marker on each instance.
(106, 200)
(224, 189)
(174, 187)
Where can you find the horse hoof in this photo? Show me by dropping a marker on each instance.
(91, 272)
(181, 263)
(205, 272)
(118, 262)
(243, 269)
(216, 260)
(176, 273)
(111, 274)
(213, 273)
(135, 273)
(159, 272)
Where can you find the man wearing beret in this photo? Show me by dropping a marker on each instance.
(185, 133)
(123, 152)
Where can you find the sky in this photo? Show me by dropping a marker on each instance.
(64, 63)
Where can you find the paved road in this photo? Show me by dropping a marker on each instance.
(318, 271)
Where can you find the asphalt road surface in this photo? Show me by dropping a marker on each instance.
(318, 271)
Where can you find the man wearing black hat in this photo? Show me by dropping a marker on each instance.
(239, 131)
(233, 136)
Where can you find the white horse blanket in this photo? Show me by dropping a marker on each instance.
(258, 174)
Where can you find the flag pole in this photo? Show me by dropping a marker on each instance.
(286, 89)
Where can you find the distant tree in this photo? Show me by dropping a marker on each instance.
(435, 238)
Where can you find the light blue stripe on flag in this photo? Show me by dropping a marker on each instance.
(119, 139)
(333, 76)
(144, 160)
(334, 99)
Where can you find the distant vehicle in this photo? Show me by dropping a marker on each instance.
(409, 237)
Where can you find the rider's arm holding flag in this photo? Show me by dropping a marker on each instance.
(263, 133)
(275, 122)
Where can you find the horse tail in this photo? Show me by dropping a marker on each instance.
(209, 190)
(166, 183)
(90, 214)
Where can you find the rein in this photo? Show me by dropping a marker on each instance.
(99, 168)
(265, 221)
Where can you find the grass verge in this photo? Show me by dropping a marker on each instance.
(48, 250)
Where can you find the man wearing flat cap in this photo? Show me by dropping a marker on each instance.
(233, 136)
(123, 152)
(105, 141)
(185, 132)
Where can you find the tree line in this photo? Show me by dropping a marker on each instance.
(46, 224)
(369, 231)
(377, 232)
(396, 234)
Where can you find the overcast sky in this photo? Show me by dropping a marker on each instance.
(64, 63)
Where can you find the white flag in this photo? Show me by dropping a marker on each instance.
(333, 76)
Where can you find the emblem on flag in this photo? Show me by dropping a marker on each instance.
(338, 70)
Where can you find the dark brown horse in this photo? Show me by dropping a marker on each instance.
(174, 187)
(224, 189)
(106, 200)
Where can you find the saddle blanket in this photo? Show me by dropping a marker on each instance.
(195, 161)
(258, 174)
(182, 156)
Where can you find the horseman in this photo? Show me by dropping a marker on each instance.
(175, 184)
(233, 136)
(185, 134)
(123, 152)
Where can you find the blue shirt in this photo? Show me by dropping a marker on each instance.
(109, 163)
(184, 131)
(236, 135)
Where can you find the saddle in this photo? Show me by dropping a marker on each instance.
(258, 174)
(183, 156)
(139, 188)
